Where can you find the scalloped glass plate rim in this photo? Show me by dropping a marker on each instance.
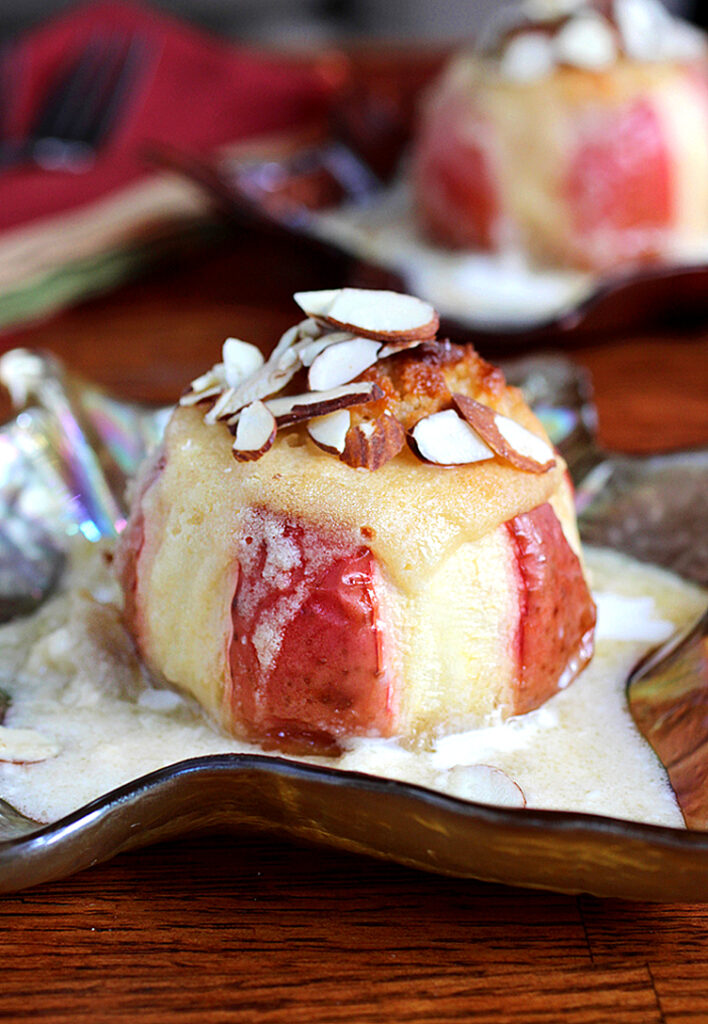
(558, 850)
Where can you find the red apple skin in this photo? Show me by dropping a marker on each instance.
(612, 194)
(329, 679)
(334, 673)
(557, 614)
(454, 180)
(618, 184)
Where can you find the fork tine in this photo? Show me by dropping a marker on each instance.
(87, 102)
(67, 93)
(123, 84)
(84, 115)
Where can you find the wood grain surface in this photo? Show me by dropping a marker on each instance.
(242, 929)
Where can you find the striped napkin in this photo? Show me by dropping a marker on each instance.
(65, 235)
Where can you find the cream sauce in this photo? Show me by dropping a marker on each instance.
(81, 705)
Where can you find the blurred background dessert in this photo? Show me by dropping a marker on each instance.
(577, 132)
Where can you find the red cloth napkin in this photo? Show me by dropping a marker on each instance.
(195, 93)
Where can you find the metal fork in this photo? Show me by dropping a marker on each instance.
(82, 107)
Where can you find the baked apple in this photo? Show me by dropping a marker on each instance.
(579, 137)
(367, 535)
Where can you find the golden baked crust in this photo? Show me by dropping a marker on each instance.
(418, 382)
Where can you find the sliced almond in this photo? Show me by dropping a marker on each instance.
(271, 378)
(398, 346)
(330, 432)
(25, 746)
(241, 360)
(484, 784)
(445, 439)
(310, 349)
(338, 364)
(297, 408)
(224, 406)
(317, 304)
(305, 329)
(195, 397)
(208, 385)
(382, 315)
(507, 438)
(255, 432)
(371, 444)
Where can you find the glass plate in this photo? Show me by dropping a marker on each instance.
(64, 461)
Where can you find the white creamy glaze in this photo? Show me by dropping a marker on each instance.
(74, 681)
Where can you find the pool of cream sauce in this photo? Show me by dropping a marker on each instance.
(81, 705)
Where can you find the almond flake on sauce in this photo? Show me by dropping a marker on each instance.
(25, 746)
(508, 439)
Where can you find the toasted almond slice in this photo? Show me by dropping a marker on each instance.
(222, 407)
(445, 439)
(241, 360)
(255, 432)
(484, 784)
(25, 746)
(318, 303)
(371, 444)
(330, 432)
(340, 363)
(297, 408)
(398, 346)
(511, 442)
(195, 397)
(310, 349)
(382, 315)
(305, 329)
(270, 379)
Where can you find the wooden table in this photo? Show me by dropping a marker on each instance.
(241, 930)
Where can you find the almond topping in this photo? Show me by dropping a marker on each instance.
(338, 364)
(208, 385)
(398, 346)
(371, 444)
(305, 329)
(268, 380)
(296, 408)
(195, 397)
(241, 360)
(255, 432)
(382, 315)
(485, 784)
(310, 349)
(447, 440)
(507, 438)
(330, 432)
(25, 746)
